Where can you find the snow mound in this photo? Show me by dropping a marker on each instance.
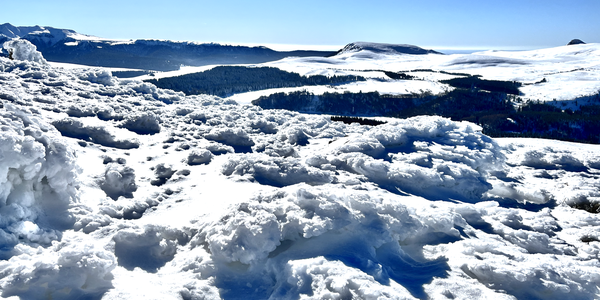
(197, 157)
(430, 157)
(277, 231)
(97, 134)
(38, 180)
(100, 76)
(73, 269)
(163, 172)
(144, 123)
(118, 180)
(234, 137)
(274, 171)
(148, 248)
(24, 50)
(331, 280)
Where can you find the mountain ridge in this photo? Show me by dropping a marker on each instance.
(68, 46)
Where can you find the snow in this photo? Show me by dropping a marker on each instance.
(384, 48)
(115, 189)
(183, 70)
(571, 72)
(24, 50)
(403, 87)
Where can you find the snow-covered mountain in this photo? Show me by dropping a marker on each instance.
(385, 48)
(115, 189)
(41, 35)
(68, 46)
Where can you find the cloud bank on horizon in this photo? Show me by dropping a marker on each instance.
(433, 23)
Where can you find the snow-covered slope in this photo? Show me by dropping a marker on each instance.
(114, 189)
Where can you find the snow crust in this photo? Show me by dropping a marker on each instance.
(115, 189)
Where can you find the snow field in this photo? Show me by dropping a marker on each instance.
(571, 72)
(224, 201)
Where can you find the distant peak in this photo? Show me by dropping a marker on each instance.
(576, 42)
(385, 48)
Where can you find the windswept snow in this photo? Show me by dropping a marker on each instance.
(115, 189)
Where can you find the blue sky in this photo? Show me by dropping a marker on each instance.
(439, 24)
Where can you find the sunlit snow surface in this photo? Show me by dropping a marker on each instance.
(571, 72)
(147, 194)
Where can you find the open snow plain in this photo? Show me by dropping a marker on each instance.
(115, 189)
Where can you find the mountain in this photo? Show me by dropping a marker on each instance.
(68, 46)
(385, 48)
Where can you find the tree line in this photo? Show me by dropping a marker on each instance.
(224, 81)
(361, 121)
(495, 111)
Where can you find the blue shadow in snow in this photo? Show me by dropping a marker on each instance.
(397, 266)
(386, 263)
